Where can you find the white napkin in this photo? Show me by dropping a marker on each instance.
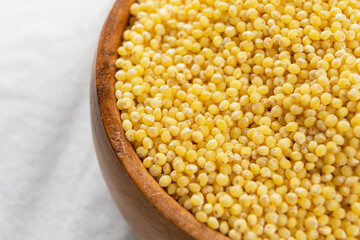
(50, 182)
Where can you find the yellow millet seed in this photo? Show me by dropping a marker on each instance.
(247, 112)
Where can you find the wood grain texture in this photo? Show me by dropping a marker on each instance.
(148, 209)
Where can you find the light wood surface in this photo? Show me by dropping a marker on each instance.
(148, 209)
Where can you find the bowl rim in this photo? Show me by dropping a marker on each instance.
(105, 69)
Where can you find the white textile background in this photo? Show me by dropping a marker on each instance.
(50, 183)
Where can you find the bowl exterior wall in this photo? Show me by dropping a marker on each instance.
(143, 217)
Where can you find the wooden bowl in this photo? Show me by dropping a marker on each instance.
(147, 208)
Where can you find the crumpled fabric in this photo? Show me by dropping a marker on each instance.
(50, 182)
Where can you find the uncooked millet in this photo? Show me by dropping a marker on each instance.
(248, 112)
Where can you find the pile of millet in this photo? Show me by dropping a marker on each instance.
(247, 112)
